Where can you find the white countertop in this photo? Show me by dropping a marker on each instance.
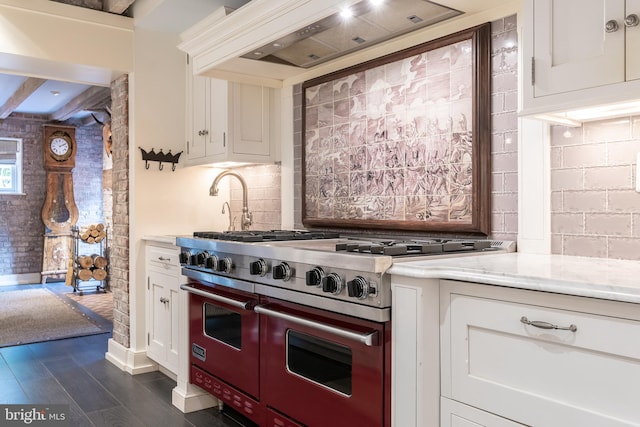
(171, 240)
(612, 279)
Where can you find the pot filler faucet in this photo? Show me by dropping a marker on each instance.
(247, 217)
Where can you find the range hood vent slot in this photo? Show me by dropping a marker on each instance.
(335, 36)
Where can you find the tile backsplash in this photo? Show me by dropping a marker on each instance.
(504, 154)
(595, 210)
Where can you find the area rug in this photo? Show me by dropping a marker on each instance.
(100, 303)
(35, 315)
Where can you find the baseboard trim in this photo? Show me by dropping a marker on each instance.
(189, 398)
(129, 361)
(20, 279)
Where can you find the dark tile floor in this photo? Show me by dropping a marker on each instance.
(74, 371)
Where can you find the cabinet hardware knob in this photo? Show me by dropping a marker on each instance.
(546, 325)
(611, 26)
(631, 20)
(164, 300)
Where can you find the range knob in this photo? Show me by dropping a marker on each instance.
(184, 257)
(358, 287)
(211, 262)
(282, 271)
(258, 268)
(332, 283)
(314, 277)
(197, 259)
(224, 265)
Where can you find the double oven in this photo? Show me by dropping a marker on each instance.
(292, 329)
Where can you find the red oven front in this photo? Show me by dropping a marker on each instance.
(224, 335)
(321, 368)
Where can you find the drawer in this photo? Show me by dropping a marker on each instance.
(494, 360)
(456, 414)
(163, 257)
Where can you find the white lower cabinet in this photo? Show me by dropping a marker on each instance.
(163, 287)
(499, 357)
(456, 414)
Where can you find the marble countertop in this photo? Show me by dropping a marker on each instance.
(611, 279)
(171, 240)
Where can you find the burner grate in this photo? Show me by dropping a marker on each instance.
(265, 235)
(399, 248)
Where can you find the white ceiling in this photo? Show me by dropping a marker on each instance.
(173, 16)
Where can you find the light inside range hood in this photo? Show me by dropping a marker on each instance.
(335, 36)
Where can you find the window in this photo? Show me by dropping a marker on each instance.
(10, 166)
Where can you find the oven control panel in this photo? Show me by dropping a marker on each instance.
(312, 273)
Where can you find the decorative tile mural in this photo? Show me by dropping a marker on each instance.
(393, 144)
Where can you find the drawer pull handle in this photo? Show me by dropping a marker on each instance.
(547, 325)
(161, 258)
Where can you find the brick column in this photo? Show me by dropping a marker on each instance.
(119, 239)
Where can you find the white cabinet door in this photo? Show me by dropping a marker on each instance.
(632, 34)
(497, 362)
(163, 311)
(228, 122)
(250, 120)
(199, 120)
(159, 320)
(218, 101)
(572, 48)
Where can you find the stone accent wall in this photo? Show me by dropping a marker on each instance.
(504, 155)
(87, 175)
(264, 196)
(119, 240)
(595, 210)
(21, 227)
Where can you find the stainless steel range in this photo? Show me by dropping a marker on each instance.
(287, 323)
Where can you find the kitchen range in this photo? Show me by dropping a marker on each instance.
(293, 328)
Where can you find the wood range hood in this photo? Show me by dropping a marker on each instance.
(268, 41)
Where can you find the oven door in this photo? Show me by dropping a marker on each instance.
(322, 368)
(224, 334)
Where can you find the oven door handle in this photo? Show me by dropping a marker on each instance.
(369, 339)
(245, 305)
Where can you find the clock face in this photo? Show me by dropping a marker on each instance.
(59, 146)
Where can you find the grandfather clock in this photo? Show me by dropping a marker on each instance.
(59, 212)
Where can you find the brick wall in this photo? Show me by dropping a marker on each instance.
(504, 155)
(119, 240)
(595, 210)
(21, 227)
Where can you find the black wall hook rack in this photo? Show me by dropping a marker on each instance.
(160, 157)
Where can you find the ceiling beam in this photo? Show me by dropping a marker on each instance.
(116, 6)
(94, 98)
(23, 92)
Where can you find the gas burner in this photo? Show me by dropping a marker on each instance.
(429, 247)
(265, 235)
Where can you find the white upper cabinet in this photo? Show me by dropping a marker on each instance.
(578, 53)
(229, 122)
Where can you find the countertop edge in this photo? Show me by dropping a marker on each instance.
(170, 240)
(484, 275)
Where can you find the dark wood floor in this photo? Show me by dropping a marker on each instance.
(74, 372)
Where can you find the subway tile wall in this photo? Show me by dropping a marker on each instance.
(263, 182)
(595, 210)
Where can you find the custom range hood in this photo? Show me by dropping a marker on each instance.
(355, 27)
(278, 43)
